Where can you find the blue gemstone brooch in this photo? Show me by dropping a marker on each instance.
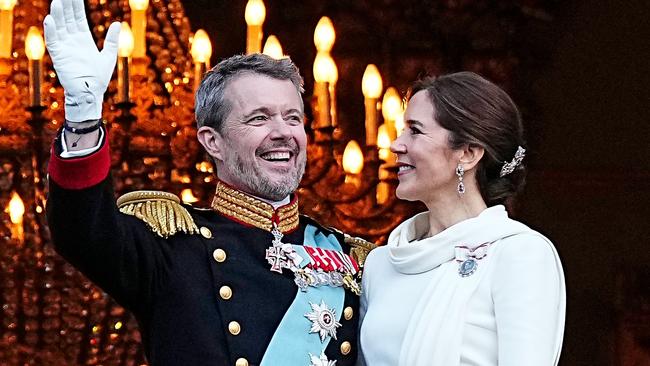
(468, 258)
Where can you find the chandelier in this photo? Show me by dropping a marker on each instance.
(51, 314)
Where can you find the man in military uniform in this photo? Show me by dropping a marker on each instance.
(248, 281)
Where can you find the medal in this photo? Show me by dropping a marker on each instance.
(351, 284)
(276, 258)
(281, 255)
(331, 260)
(274, 254)
(323, 320)
(277, 235)
(326, 267)
(320, 361)
(302, 280)
(306, 277)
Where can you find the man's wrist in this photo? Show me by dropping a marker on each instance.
(83, 124)
(73, 142)
(81, 135)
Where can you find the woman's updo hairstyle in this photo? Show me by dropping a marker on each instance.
(476, 112)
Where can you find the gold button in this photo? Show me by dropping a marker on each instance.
(346, 347)
(205, 232)
(234, 328)
(219, 255)
(225, 292)
(241, 362)
(348, 313)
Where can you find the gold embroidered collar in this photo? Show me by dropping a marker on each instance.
(248, 210)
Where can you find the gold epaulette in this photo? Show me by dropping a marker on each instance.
(161, 211)
(359, 248)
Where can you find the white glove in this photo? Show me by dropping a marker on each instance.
(83, 71)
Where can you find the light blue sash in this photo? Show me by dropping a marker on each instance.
(292, 343)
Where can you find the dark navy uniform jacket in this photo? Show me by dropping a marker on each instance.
(206, 298)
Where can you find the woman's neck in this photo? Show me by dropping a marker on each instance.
(452, 209)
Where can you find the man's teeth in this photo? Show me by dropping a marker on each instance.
(404, 168)
(277, 156)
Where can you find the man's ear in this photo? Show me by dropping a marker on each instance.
(212, 142)
(471, 155)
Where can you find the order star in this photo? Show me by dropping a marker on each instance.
(323, 320)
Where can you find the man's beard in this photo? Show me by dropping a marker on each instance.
(259, 184)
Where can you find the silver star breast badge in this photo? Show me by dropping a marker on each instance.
(323, 320)
(320, 361)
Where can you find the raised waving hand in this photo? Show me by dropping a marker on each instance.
(83, 70)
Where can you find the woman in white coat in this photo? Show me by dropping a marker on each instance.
(462, 284)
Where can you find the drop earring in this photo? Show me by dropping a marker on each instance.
(460, 172)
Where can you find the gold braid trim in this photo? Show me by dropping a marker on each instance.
(359, 248)
(289, 217)
(243, 200)
(249, 210)
(161, 211)
(248, 217)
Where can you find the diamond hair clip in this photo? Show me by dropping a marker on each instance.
(509, 167)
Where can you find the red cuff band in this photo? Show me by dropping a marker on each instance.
(82, 172)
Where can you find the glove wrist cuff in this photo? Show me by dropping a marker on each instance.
(83, 107)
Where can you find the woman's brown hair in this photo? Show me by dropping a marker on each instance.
(477, 112)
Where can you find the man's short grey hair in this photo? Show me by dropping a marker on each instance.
(211, 106)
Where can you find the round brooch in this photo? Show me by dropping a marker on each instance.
(467, 267)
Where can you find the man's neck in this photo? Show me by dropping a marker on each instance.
(275, 204)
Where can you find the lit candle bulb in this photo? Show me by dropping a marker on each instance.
(16, 209)
(352, 162)
(325, 75)
(272, 48)
(201, 51)
(35, 49)
(6, 27)
(332, 91)
(139, 24)
(124, 50)
(324, 35)
(391, 106)
(371, 86)
(399, 123)
(187, 196)
(254, 15)
(383, 188)
(383, 142)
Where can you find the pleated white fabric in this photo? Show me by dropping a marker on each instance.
(435, 325)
